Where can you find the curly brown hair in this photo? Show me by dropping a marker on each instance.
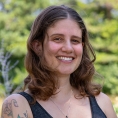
(41, 79)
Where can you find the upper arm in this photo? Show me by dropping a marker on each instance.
(106, 105)
(15, 106)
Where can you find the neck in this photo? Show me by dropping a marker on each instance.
(63, 83)
(64, 91)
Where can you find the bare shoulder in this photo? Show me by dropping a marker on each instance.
(16, 106)
(105, 104)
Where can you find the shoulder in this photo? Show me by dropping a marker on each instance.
(16, 106)
(105, 104)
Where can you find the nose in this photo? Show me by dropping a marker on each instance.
(67, 47)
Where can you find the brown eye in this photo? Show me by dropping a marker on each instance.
(57, 39)
(75, 41)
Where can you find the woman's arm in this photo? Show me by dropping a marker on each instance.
(16, 106)
(106, 105)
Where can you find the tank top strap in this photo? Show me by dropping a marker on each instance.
(95, 109)
(37, 110)
(28, 97)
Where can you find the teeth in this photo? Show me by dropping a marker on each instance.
(65, 58)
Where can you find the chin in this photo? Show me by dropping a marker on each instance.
(66, 72)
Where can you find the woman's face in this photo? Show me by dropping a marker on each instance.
(63, 46)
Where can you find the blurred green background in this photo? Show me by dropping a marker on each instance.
(16, 18)
(100, 17)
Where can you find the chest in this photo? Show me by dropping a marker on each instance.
(78, 112)
(75, 110)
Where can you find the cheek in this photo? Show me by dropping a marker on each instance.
(79, 51)
(52, 48)
(50, 52)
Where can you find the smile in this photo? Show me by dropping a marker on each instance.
(65, 58)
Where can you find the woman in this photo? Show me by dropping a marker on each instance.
(60, 70)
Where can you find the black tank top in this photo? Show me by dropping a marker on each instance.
(39, 112)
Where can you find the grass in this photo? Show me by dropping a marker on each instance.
(114, 100)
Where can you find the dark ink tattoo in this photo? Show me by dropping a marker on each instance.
(25, 114)
(8, 107)
(18, 116)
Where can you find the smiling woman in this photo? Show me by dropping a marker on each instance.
(61, 70)
(63, 47)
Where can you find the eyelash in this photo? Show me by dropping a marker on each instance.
(58, 39)
(75, 41)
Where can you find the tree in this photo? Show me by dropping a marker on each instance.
(5, 68)
(100, 16)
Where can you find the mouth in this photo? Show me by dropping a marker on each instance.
(65, 58)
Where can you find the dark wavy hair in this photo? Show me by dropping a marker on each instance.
(41, 79)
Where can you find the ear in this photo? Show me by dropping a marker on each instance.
(37, 47)
(82, 44)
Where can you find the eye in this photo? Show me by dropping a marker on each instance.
(75, 41)
(57, 39)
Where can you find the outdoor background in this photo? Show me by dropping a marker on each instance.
(16, 18)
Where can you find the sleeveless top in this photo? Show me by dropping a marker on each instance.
(39, 112)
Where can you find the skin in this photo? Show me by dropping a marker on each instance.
(63, 49)
(13, 107)
(63, 40)
(106, 105)
(8, 107)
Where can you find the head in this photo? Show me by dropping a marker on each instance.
(40, 74)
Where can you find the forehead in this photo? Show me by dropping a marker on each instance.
(65, 26)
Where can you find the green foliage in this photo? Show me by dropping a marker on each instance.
(110, 75)
(17, 17)
(103, 30)
(2, 90)
(15, 23)
(116, 109)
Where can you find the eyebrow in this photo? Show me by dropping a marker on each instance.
(63, 35)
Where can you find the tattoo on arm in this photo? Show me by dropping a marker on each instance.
(25, 115)
(8, 109)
